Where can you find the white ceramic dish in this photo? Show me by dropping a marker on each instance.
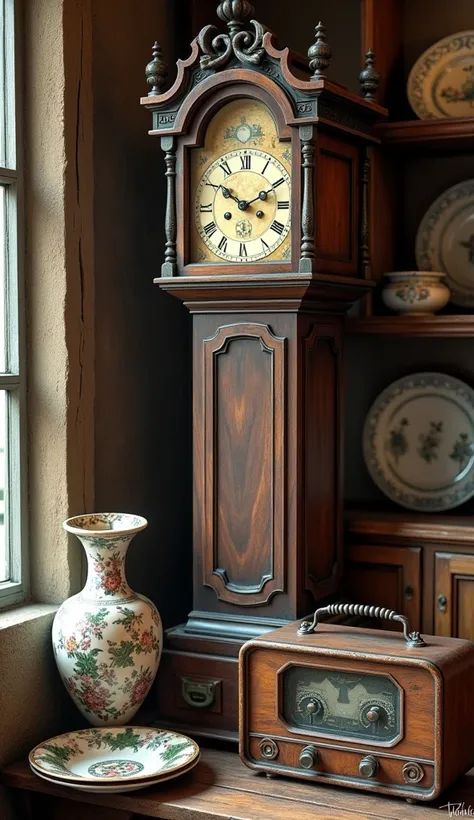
(445, 241)
(118, 788)
(419, 442)
(117, 755)
(441, 83)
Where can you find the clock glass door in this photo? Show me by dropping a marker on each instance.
(241, 188)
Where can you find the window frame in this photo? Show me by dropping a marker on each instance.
(13, 381)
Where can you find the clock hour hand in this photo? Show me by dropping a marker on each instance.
(227, 194)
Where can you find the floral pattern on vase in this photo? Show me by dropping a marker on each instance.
(107, 640)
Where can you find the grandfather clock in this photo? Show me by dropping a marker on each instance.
(267, 237)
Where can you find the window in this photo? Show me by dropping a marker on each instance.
(12, 371)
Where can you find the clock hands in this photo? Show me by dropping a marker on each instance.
(262, 196)
(242, 204)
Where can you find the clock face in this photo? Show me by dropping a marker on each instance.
(240, 192)
(242, 206)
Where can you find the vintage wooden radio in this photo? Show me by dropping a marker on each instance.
(358, 707)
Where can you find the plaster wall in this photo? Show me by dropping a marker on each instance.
(143, 377)
(138, 458)
(55, 97)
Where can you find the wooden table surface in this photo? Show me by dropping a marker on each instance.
(222, 787)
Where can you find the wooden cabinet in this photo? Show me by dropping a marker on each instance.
(454, 595)
(388, 576)
(423, 567)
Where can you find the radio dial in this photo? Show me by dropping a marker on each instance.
(309, 757)
(368, 766)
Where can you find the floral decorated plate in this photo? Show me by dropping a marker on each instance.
(419, 442)
(445, 241)
(441, 83)
(119, 755)
(122, 787)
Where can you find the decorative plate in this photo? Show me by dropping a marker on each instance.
(119, 788)
(445, 241)
(441, 83)
(103, 755)
(419, 442)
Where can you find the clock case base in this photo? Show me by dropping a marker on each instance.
(197, 688)
(203, 654)
(283, 320)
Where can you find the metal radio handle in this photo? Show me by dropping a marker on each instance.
(413, 639)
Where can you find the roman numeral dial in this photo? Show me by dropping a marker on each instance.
(242, 206)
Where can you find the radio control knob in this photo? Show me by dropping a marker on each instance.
(309, 756)
(313, 706)
(368, 766)
(373, 714)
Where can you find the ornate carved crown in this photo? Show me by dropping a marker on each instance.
(244, 44)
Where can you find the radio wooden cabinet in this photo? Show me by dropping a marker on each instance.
(267, 244)
(422, 567)
(377, 710)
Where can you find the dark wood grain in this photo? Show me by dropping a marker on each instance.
(388, 576)
(244, 404)
(453, 134)
(337, 206)
(451, 326)
(382, 24)
(222, 787)
(454, 581)
(322, 500)
(434, 556)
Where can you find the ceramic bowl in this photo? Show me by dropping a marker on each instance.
(415, 293)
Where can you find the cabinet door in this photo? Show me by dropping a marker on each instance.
(387, 576)
(454, 595)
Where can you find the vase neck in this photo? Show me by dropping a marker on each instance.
(106, 579)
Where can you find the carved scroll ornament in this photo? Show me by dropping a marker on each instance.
(218, 49)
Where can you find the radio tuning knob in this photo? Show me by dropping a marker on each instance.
(309, 756)
(313, 706)
(373, 714)
(368, 766)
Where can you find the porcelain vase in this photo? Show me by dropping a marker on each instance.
(107, 639)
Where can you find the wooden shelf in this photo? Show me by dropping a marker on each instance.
(455, 134)
(220, 786)
(412, 526)
(454, 327)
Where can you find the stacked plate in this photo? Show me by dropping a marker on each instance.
(115, 760)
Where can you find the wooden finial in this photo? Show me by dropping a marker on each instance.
(235, 13)
(369, 77)
(319, 54)
(155, 71)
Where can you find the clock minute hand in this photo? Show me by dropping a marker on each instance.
(262, 196)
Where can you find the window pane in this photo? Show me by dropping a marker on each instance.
(4, 552)
(3, 278)
(3, 65)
